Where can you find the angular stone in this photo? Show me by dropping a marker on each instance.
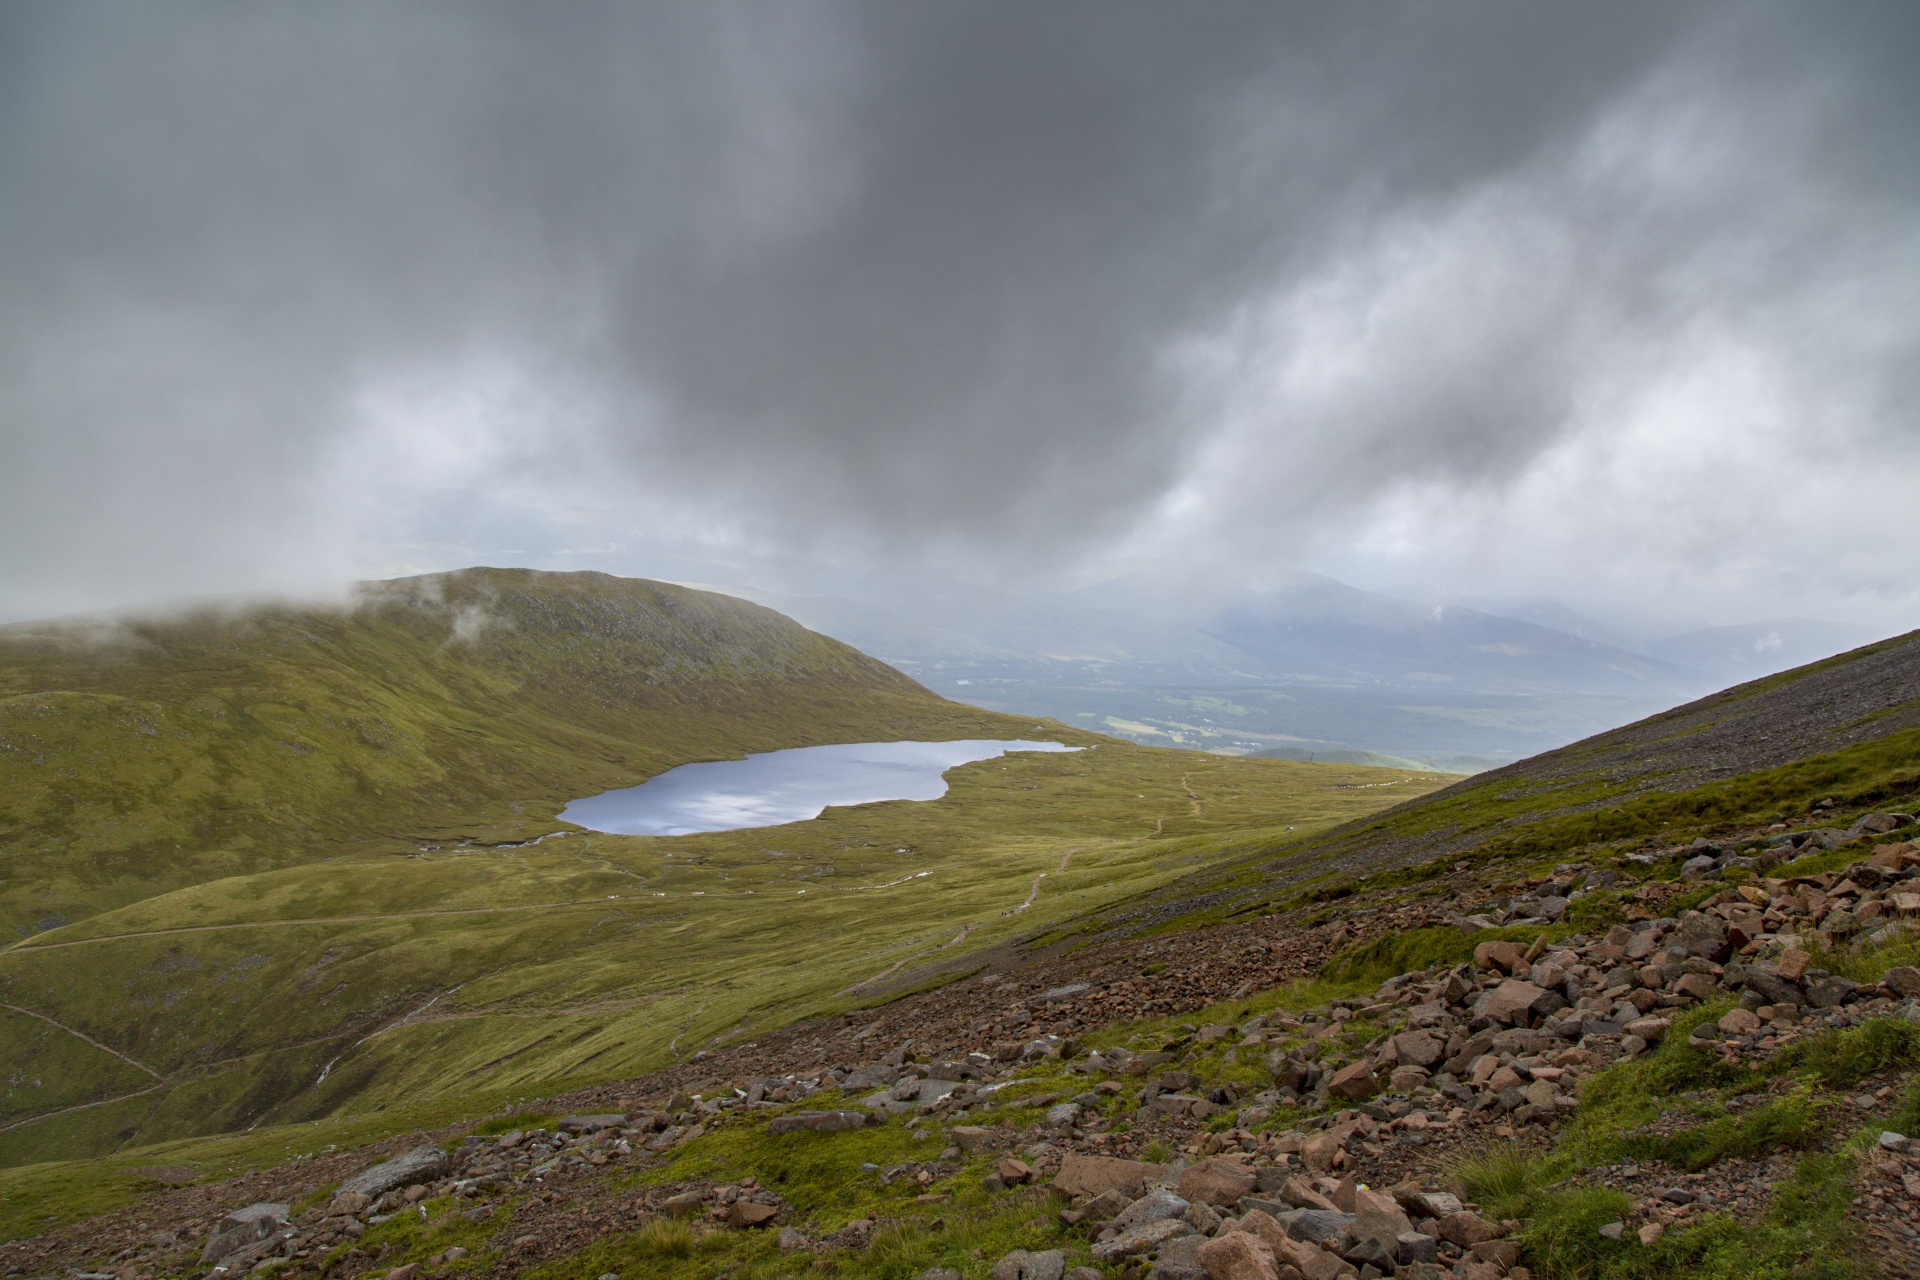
(591, 1124)
(1315, 1225)
(1355, 1081)
(1022, 1265)
(1319, 1152)
(821, 1121)
(975, 1138)
(1509, 1002)
(1695, 986)
(1419, 1048)
(422, 1164)
(1504, 956)
(1176, 1260)
(1792, 965)
(1465, 1229)
(1014, 1171)
(1144, 1238)
(1161, 1206)
(1298, 1193)
(745, 1213)
(1093, 1175)
(242, 1228)
(1502, 1253)
(1903, 981)
(1217, 1181)
(1239, 1256)
(1739, 1022)
(1377, 1217)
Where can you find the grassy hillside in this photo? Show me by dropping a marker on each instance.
(143, 755)
(294, 850)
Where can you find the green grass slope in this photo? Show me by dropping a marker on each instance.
(143, 755)
(293, 848)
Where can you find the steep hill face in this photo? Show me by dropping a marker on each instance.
(138, 755)
(1846, 728)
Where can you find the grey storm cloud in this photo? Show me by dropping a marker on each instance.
(989, 276)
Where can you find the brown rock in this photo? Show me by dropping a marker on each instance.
(1216, 1181)
(1509, 1002)
(1648, 1029)
(1377, 1217)
(1695, 986)
(1465, 1229)
(1504, 956)
(1418, 1048)
(684, 1203)
(971, 1137)
(1792, 965)
(1287, 1251)
(1297, 1193)
(407, 1272)
(1014, 1171)
(745, 1213)
(1239, 1256)
(1502, 1253)
(1355, 1081)
(1319, 1151)
(1094, 1175)
(1739, 1022)
(1904, 981)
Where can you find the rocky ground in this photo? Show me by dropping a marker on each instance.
(1322, 1140)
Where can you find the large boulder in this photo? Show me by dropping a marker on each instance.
(422, 1164)
(1091, 1175)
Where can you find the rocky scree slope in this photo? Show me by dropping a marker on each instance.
(1666, 1093)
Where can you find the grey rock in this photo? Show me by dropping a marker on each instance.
(1315, 1225)
(1828, 992)
(1160, 1206)
(1145, 1238)
(255, 1224)
(820, 1122)
(869, 1077)
(1416, 1246)
(1021, 1265)
(1179, 1260)
(940, 1273)
(591, 1124)
(422, 1164)
(1891, 1141)
(1063, 1113)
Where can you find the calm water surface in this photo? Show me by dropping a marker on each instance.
(784, 786)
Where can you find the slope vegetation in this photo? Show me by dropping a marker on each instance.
(141, 755)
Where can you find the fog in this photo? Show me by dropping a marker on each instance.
(1616, 306)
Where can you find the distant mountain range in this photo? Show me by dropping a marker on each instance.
(1309, 668)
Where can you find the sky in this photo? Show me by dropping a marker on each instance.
(1616, 305)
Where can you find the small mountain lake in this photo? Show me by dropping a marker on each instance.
(784, 786)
